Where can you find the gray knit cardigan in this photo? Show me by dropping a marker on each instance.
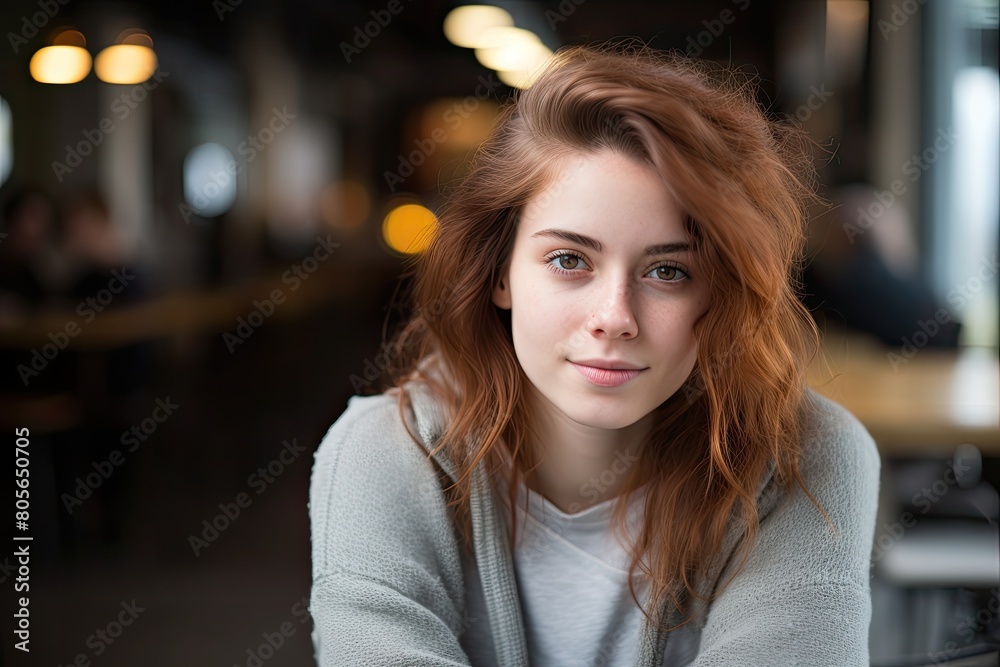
(388, 585)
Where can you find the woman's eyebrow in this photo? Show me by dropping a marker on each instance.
(571, 237)
(597, 246)
(667, 248)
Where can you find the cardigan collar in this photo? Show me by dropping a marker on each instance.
(496, 561)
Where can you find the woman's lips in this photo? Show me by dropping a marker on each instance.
(605, 377)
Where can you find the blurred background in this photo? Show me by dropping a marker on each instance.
(207, 208)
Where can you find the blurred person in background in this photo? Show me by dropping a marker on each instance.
(92, 246)
(29, 284)
(864, 272)
(25, 252)
(103, 276)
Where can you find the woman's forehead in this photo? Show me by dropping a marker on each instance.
(604, 195)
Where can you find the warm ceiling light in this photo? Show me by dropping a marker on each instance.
(135, 36)
(465, 26)
(520, 78)
(70, 38)
(506, 35)
(131, 61)
(514, 49)
(67, 61)
(408, 228)
(60, 64)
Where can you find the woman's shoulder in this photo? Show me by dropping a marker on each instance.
(369, 429)
(375, 504)
(838, 462)
(833, 436)
(361, 409)
(379, 432)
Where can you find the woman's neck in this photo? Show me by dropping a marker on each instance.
(581, 466)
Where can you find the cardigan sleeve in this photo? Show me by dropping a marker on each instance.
(387, 585)
(803, 597)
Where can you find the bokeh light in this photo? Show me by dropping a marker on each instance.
(60, 64)
(408, 228)
(520, 78)
(125, 63)
(210, 179)
(465, 26)
(511, 48)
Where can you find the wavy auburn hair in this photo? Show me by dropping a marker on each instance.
(744, 183)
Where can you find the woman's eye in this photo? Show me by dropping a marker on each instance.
(568, 262)
(668, 273)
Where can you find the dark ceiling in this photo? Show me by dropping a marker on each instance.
(315, 30)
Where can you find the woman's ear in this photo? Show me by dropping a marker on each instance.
(501, 291)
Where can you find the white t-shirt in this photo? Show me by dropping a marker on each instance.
(572, 576)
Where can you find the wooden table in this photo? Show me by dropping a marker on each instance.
(927, 404)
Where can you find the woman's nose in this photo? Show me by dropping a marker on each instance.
(614, 316)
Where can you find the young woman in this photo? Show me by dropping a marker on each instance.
(599, 447)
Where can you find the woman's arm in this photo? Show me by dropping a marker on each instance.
(387, 579)
(803, 597)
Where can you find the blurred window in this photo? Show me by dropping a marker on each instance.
(962, 93)
(6, 141)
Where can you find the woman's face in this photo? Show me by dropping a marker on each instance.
(603, 292)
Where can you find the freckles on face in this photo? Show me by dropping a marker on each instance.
(604, 292)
